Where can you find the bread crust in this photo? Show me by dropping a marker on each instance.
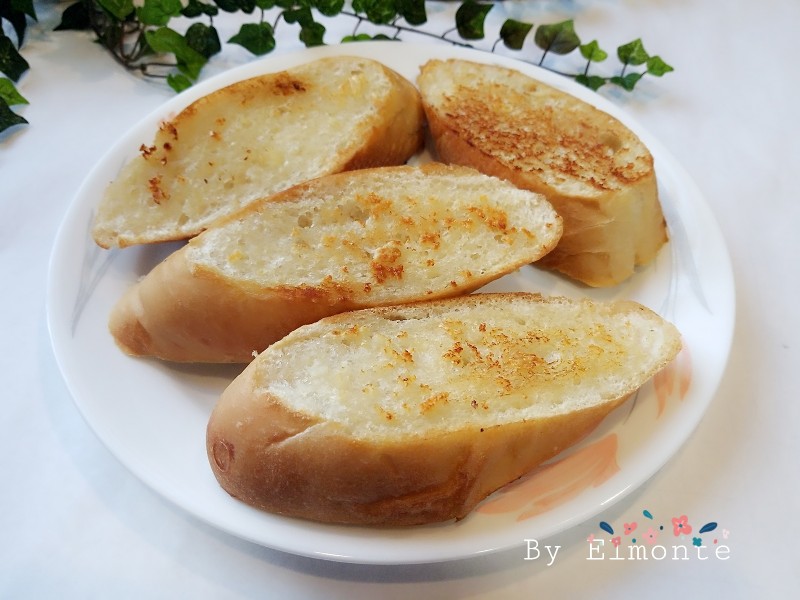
(271, 456)
(197, 170)
(186, 311)
(399, 134)
(182, 313)
(284, 463)
(612, 216)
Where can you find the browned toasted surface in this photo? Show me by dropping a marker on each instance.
(284, 464)
(534, 127)
(594, 170)
(413, 414)
(255, 138)
(370, 237)
(180, 314)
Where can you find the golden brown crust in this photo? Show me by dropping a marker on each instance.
(184, 314)
(399, 136)
(591, 168)
(347, 468)
(270, 458)
(215, 156)
(205, 303)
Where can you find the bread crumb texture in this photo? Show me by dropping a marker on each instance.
(384, 234)
(423, 370)
(533, 127)
(244, 141)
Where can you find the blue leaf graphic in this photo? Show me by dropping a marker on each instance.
(708, 527)
(647, 514)
(606, 527)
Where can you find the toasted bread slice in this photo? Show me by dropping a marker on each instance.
(594, 170)
(258, 137)
(363, 238)
(413, 414)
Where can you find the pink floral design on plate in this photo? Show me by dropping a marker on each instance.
(678, 371)
(557, 482)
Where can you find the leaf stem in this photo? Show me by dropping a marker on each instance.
(359, 20)
(115, 35)
(544, 54)
(401, 28)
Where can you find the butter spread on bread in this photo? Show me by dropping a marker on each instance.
(595, 171)
(356, 239)
(257, 137)
(413, 414)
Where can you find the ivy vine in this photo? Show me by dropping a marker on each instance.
(138, 35)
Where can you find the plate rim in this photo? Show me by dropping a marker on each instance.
(664, 161)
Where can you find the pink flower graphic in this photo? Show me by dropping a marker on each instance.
(680, 525)
(630, 528)
(616, 541)
(651, 536)
(590, 539)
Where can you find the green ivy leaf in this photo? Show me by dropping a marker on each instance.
(179, 82)
(195, 8)
(17, 19)
(204, 39)
(329, 8)
(628, 82)
(9, 93)
(167, 40)
(633, 53)
(470, 18)
(559, 38)
(74, 18)
(8, 118)
(117, 8)
(359, 37)
(246, 6)
(258, 38)
(312, 34)
(265, 4)
(513, 33)
(16, 12)
(24, 7)
(158, 12)
(592, 52)
(657, 67)
(11, 62)
(379, 12)
(228, 6)
(365, 37)
(300, 15)
(593, 82)
(413, 11)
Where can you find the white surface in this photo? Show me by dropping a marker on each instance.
(155, 425)
(77, 524)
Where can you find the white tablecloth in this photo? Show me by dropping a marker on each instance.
(74, 523)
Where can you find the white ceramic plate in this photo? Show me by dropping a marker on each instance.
(152, 416)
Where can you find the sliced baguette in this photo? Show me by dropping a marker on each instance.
(363, 238)
(255, 138)
(413, 414)
(595, 171)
